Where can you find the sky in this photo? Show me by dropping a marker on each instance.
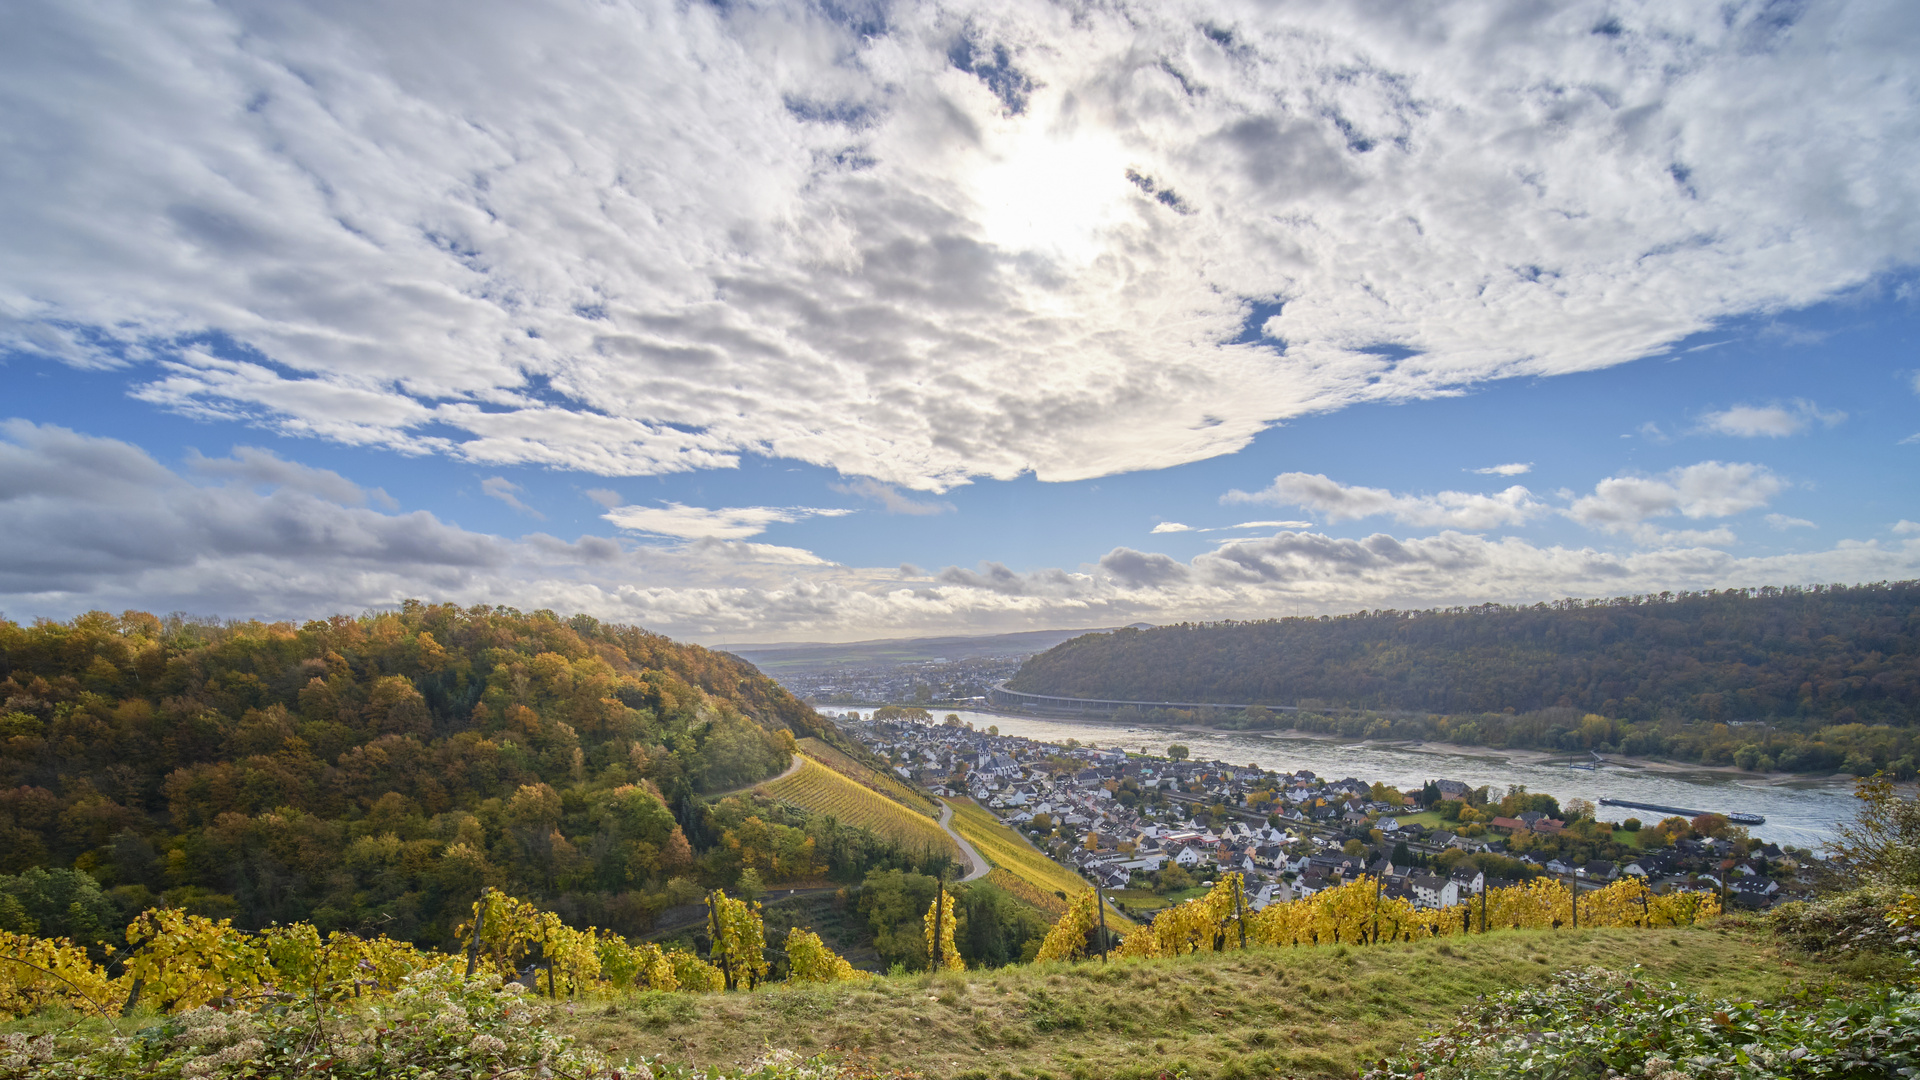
(848, 319)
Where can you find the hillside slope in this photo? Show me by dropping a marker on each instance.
(381, 769)
(1837, 654)
(1318, 1012)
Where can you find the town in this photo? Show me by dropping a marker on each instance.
(1149, 828)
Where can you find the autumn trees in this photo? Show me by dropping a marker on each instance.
(1832, 671)
(391, 765)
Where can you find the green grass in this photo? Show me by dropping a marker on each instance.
(1429, 818)
(1142, 899)
(818, 788)
(884, 783)
(1314, 1012)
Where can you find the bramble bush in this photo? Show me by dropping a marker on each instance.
(1602, 1024)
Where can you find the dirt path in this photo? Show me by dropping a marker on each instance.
(792, 767)
(979, 866)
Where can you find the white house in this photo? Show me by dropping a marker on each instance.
(1434, 892)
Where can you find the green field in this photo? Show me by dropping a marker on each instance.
(885, 783)
(1307, 1012)
(818, 788)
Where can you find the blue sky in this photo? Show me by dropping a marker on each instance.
(313, 310)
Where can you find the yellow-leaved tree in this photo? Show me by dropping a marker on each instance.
(809, 960)
(739, 939)
(35, 972)
(185, 960)
(1068, 938)
(941, 953)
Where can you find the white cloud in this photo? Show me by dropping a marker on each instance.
(1172, 527)
(700, 523)
(92, 523)
(1771, 421)
(1517, 468)
(1903, 527)
(892, 499)
(499, 487)
(1710, 489)
(607, 498)
(1342, 502)
(1783, 522)
(787, 230)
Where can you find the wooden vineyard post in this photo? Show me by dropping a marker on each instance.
(479, 922)
(1484, 890)
(1576, 902)
(939, 910)
(1240, 907)
(719, 947)
(1377, 881)
(1100, 903)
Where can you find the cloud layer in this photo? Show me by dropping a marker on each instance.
(90, 522)
(921, 242)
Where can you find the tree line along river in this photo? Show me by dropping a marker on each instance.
(1799, 812)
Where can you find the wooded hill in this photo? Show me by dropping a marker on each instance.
(381, 769)
(1804, 660)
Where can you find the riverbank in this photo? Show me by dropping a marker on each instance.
(1517, 755)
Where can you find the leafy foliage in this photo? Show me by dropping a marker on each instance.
(1356, 913)
(1597, 1024)
(437, 1023)
(938, 928)
(739, 940)
(809, 960)
(1882, 842)
(381, 770)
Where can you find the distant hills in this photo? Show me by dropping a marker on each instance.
(1825, 655)
(778, 659)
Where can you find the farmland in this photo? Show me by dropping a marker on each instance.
(1009, 850)
(884, 783)
(818, 788)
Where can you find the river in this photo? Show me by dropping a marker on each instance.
(1799, 812)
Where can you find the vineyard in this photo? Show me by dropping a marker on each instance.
(884, 783)
(816, 788)
(1048, 902)
(1009, 852)
(1357, 913)
(290, 1001)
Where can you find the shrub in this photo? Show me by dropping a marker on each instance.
(1598, 1023)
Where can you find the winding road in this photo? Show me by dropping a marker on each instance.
(979, 866)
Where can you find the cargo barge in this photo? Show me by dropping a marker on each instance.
(1737, 819)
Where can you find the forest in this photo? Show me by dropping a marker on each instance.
(1813, 679)
(377, 772)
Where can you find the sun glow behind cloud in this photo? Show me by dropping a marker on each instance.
(1052, 191)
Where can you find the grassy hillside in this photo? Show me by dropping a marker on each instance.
(818, 789)
(885, 783)
(1320, 1012)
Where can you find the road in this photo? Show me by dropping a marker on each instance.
(979, 866)
(792, 767)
